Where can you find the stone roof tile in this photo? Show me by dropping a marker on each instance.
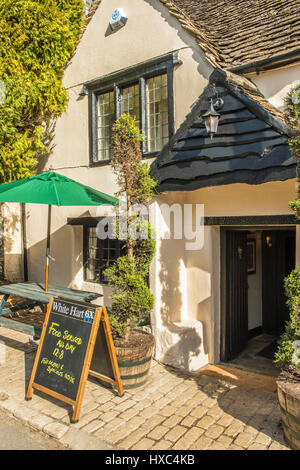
(236, 32)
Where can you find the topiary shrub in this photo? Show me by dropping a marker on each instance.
(132, 300)
(287, 355)
(128, 276)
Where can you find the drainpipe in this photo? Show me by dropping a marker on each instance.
(24, 241)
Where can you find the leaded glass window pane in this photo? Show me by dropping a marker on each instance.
(158, 117)
(154, 121)
(106, 119)
(93, 255)
(130, 100)
(99, 255)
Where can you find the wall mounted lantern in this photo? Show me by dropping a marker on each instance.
(211, 116)
(268, 241)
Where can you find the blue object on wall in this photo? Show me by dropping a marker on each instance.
(118, 19)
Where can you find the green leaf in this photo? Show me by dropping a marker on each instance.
(37, 38)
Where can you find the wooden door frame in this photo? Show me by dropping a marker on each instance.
(248, 223)
(223, 301)
(275, 323)
(225, 325)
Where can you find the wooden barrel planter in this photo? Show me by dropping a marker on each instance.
(289, 401)
(135, 361)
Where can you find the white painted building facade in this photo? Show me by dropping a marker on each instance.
(187, 284)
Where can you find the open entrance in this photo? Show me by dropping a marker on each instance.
(255, 262)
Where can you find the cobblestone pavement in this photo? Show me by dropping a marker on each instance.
(173, 411)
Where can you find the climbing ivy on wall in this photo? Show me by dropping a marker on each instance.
(37, 38)
(293, 114)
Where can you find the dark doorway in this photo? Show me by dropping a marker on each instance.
(252, 291)
(278, 260)
(234, 293)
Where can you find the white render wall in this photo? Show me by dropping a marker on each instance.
(186, 283)
(150, 32)
(13, 250)
(275, 84)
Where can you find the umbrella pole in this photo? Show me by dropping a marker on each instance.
(48, 248)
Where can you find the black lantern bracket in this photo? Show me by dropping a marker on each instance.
(211, 116)
(214, 98)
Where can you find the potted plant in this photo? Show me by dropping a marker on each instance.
(132, 301)
(287, 357)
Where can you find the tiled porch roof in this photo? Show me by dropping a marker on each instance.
(251, 145)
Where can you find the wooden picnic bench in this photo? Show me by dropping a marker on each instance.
(35, 294)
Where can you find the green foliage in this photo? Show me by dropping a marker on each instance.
(284, 353)
(144, 250)
(293, 112)
(128, 276)
(37, 38)
(132, 300)
(295, 205)
(293, 115)
(127, 155)
(145, 185)
(126, 132)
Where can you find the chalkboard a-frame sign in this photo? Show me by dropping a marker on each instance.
(65, 351)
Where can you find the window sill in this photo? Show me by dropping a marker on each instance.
(93, 286)
(95, 283)
(146, 156)
(99, 163)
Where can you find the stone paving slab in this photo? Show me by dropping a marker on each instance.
(174, 410)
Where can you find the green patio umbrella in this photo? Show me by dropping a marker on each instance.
(53, 189)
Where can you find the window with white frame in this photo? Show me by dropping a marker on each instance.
(146, 94)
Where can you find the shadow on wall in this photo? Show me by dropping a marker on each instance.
(64, 266)
(169, 278)
(203, 309)
(204, 68)
(13, 267)
(11, 224)
(66, 270)
(12, 250)
(179, 344)
(49, 142)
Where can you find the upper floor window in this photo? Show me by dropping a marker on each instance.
(145, 93)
